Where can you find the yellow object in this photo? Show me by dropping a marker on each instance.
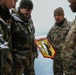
(45, 47)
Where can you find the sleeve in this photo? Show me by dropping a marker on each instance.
(3, 42)
(68, 52)
(4, 47)
(35, 51)
(49, 35)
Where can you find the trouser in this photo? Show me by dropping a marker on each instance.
(70, 71)
(23, 63)
(29, 70)
(57, 66)
(7, 69)
(18, 71)
(69, 74)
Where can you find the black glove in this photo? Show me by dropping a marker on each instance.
(35, 51)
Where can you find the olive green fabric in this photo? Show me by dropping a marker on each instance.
(4, 41)
(56, 36)
(68, 52)
(24, 48)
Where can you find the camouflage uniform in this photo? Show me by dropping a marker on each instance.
(57, 36)
(68, 52)
(24, 49)
(4, 41)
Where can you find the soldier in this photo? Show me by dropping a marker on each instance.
(68, 52)
(56, 36)
(24, 49)
(5, 17)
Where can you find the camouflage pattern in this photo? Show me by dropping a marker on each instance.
(68, 52)
(57, 36)
(24, 49)
(4, 48)
(4, 39)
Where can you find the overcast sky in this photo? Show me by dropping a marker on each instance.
(42, 14)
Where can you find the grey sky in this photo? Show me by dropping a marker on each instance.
(42, 14)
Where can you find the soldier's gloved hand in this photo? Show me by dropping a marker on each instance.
(35, 51)
(36, 55)
(55, 48)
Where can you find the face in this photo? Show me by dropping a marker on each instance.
(73, 6)
(10, 3)
(26, 12)
(58, 18)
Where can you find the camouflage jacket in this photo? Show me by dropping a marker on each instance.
(57, 35)
(22, 34)
(68, 53)
(4, 33)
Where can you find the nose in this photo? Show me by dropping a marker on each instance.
(56, 16)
